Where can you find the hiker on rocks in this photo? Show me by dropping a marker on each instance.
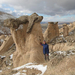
(45, 50)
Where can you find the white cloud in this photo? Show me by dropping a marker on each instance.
(56, 8)
(49, 7)
(59, 18)
(0, 6)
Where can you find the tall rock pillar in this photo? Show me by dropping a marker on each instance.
(27, 40)
(51, 32)
(65, 30)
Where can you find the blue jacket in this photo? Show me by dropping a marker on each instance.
(45, 49)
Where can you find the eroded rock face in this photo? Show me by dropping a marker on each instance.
(65, 30)
(51, 32)
(28, 47)
(15, 23)
(7, 43)
(56, 29)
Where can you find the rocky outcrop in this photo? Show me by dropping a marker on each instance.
(71, 29)
(65, 30)
(56, 29)
(27, 39)
(73, 23)
(51, 32)
(8, 41)
(2, 37)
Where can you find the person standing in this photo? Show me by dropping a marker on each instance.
(45, 50)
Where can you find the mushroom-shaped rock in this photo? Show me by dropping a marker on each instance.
(15, 23)
(34, 18)
(28, 48)
(51, 32)
(65, 30)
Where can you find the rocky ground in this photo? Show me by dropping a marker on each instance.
(61, 60)
(47, 68)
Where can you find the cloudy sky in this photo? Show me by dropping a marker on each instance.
(51, 10)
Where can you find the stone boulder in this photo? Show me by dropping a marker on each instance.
(27, 40)
(51, 32)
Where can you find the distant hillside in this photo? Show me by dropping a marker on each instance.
(3, 16)
(5, 30)
(45, 24)
(60, 23)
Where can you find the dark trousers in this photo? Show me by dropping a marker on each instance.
(46, 56)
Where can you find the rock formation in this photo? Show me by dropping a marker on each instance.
(15, 23)
(51, 32)
(73, 23)
(2, 38)
(56, 29)
(65, 30)
(8, 41)
(27, 39)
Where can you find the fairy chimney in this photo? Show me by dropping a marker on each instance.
(51, 32)
(65, 30)
(27, 35)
